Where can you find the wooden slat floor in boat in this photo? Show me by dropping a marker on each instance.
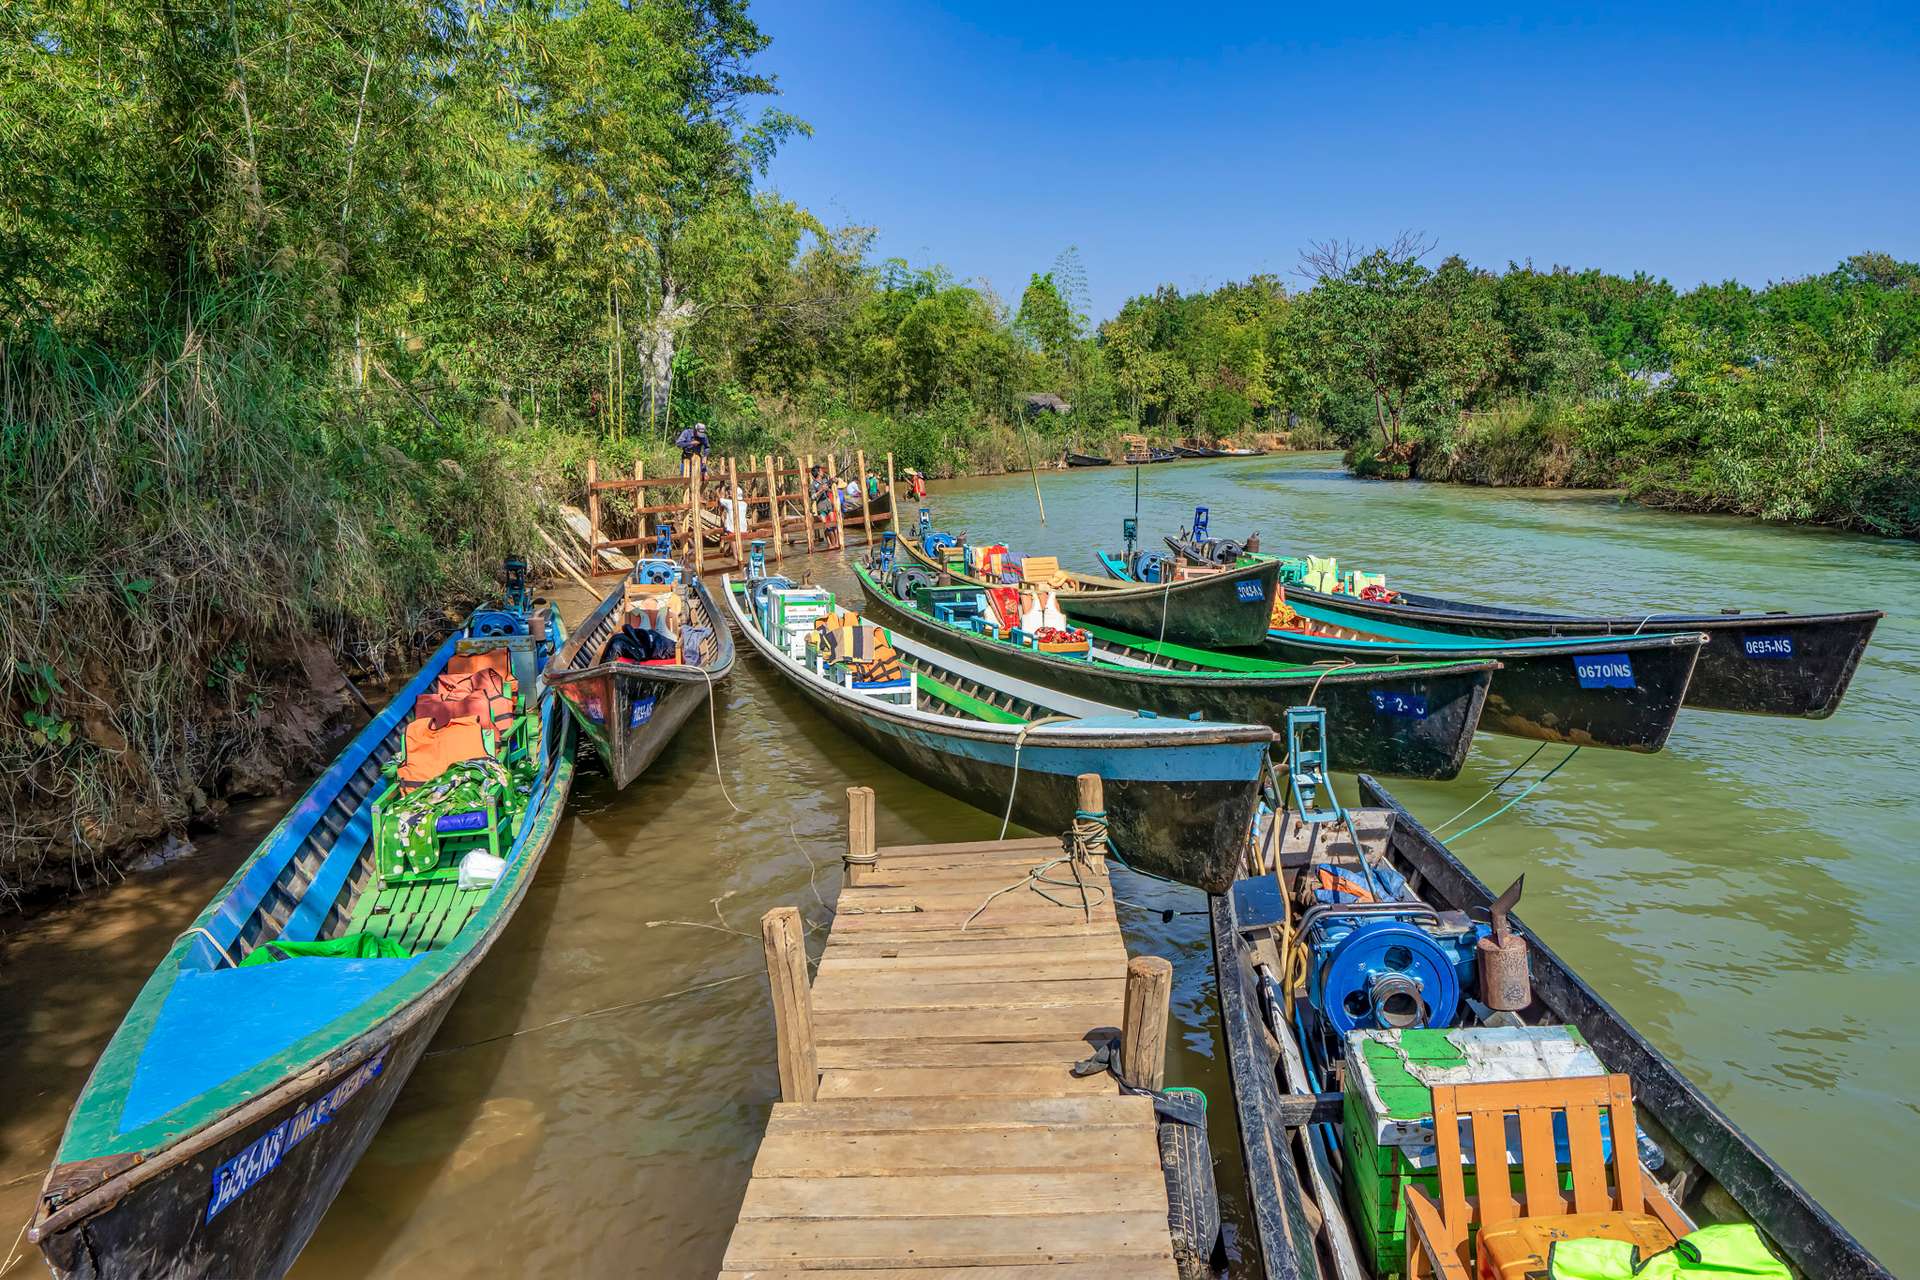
(420, 916)
(950, 1136)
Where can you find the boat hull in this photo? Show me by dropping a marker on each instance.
(160, 1229)
(1226, 610)
(1416, 724)
(1188, 830)
(1087, 460)
(1774, 664)
(1544, 693)
(1178, 805)
(628, 711)
(240, 1192)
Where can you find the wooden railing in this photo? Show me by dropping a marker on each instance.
(764, 508)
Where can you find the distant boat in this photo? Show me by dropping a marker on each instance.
(1412, 720)
(1087, 460)
(262, 1055)
(1226, 610)
(1763, 663)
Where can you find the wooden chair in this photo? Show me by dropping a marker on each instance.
(1634, 1209)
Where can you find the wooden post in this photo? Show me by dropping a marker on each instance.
(640, 500)
(737, 509)
(806, 499)
(1090, 797)
(866, 513)
(861, 858)
(593, 518)
(773, 507)
(893, 499)
(785, 939)
(1143, 1030)
(694, 471)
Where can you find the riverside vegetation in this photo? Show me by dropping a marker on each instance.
(309, 313)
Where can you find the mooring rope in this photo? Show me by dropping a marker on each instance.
(1019, 740)
(713, 722)
(1517, 799)
(1089, 826)
(1439, 827)
(215, 942)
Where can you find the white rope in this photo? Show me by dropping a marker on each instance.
(713, 723)
(224, 954)
(1019, 740)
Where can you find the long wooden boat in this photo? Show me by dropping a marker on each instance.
(1622, 692)
(631, 710)
(1087, 460)
(1412, 720)
(1764, 663)
(1226, 610)
(237, 1095)
(1180, 794)
(1318, 1216)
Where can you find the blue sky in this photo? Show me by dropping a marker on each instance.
(1196, 144)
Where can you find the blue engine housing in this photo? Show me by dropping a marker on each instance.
(1386, 969)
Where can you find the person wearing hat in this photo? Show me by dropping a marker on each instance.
(693, 443)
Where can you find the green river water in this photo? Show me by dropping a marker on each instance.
(1746, 898)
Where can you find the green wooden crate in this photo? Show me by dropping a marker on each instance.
(1387, 1115)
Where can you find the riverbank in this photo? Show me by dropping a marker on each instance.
(1855, 468)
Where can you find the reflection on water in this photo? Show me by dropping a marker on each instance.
(1743, 898)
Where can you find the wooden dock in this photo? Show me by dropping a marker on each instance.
(930, 1125)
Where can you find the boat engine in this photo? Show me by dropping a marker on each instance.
(1375, 966)
(757, 558)
(883, 559)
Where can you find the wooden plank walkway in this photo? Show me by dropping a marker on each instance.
(945, 1134)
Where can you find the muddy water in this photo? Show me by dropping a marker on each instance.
(593, 1101)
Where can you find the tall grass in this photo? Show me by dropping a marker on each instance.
(186, 524)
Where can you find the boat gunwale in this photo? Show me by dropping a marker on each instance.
(1303, 674)
(561, 671)
(151, 1161)
(1118, 589)
(1516, 650)
(1153, 733)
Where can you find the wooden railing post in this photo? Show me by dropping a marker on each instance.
(785, 939)
(1090, 797)
(640, 502)
(696, 467)
(806, 499)
(773, 507)
(593, 517)
(861, 857)
(866, 513)
(1143, 1030)
(736, 511)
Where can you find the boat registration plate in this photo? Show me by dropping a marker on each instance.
(1604, 671)
(1410, 706)
(1250, 591)
(262, 1156)
(1776, 647)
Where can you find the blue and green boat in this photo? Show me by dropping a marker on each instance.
(262, 1055)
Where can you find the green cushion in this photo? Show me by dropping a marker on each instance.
(355, 946)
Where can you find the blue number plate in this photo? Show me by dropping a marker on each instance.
(1775, 647)
(1409, 705)
(1250, 591)
(1604, 671)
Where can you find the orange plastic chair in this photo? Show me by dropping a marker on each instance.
(1513, 1240)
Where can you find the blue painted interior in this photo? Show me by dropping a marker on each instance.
(239, 904)
(317, 902)
(215, 1025)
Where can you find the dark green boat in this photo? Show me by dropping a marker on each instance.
(1223, 610)
(1621, 692)
(1411, 720)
